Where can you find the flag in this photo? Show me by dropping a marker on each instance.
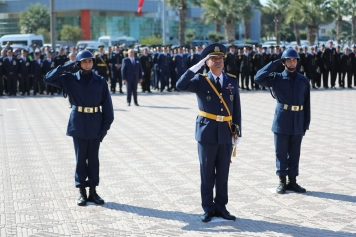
(139, 9)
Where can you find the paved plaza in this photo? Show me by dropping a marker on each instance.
(149, 171)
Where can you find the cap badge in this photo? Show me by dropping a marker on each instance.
(216, 49)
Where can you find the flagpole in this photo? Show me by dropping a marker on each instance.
(164, 21)
(53, 26)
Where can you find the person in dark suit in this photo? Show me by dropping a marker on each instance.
(231, 61)
(320, 63)
(91, 117)
(156, 74)
(132, 75)
(2, 74)
(245, 67)
(37, 72)
(311, 66)
(116, 62)
(292, 116)
(217, 127)
(11, 69)
(48, 65)
(24, 72)
(329, 59)
(346, 67)
(147, 66)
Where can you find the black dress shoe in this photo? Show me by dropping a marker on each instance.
(128, 104)
(207, 216)
(225, 215)
(137, 104)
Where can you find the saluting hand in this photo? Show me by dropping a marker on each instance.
(68, 65)
(197, 66)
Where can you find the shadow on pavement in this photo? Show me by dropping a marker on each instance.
(240, 225)
(334, 196)
(163, 107)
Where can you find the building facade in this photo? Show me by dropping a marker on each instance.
(115, 18)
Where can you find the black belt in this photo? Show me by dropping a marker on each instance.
(295, 108)
(87, 110)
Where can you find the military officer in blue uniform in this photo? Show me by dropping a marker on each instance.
(292, 115)
(180, 63)
(164, 62)
(218, 126)
(90, 119)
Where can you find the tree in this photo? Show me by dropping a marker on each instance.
(351, 11)
(248, 7)
(151, 40)
(71, 33)
(33, 18)
(293, 16)
(277, 7)
(340, 7)
(46, 34)
(189, 35)
(230, 12)
(215, 36)
(211, 15)
(314, 13)
(182, 6)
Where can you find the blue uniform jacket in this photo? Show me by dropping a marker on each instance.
(180, 63)
(208, 130)
(95, 93)
(287, 91)
(164, 62)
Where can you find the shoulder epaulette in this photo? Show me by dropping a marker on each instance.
(231, 75)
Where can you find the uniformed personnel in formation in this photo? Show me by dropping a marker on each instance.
(90, 119)
(292, 116)
(101, 65)
(218, 127)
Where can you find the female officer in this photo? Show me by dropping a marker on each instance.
(90, 119)
(292, 115)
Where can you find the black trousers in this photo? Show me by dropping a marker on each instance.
(131, 87)
(25, 82)
(12, 84)
(87, 162)
(245, 78)
(1, 85)
(146, 83)
(214, 171)
(287, 153)
(332, 72)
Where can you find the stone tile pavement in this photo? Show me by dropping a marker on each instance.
(150, 171)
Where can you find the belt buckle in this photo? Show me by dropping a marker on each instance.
(88, 110)
(295, 108)
(219, 118)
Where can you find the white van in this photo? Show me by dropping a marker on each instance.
(108, 40)
(23, 39)
(112, 40)
(88, 43)
(126, 40)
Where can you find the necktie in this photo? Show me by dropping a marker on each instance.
(133, 61)
(218, 85)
